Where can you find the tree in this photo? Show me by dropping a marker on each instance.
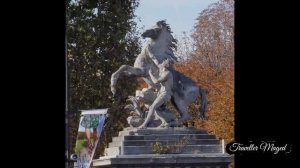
(101, 36)
(185, 47)
(213, 35)
(220, 96)
(211, 66)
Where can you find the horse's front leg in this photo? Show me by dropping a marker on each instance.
(124, 70)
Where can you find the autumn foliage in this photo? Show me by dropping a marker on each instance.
(220, 95)
(211, 65)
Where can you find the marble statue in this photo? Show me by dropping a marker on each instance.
(154, 65)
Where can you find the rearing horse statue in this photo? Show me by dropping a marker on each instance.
(161, 45)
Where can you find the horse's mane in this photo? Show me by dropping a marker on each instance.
(171, 41)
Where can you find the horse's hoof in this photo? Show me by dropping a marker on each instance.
(164, 125)
(173, 124)
(142, 127)
(202, 118)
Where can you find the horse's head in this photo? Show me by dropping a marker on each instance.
(151, 33)
(161, 27)
(161, 37)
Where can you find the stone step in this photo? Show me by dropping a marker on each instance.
(188, 149)
(163, 131)
(112, 151)
(164, 142)
(183, 147)
(164, 137)
(171, 131)
(166, 161)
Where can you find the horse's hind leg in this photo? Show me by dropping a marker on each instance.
(182, 109)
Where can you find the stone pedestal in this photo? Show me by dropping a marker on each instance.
(164, 148)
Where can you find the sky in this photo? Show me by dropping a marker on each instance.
(179, 14)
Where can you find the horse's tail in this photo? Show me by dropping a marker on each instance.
(203, 107)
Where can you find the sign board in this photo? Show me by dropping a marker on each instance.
(89, 131)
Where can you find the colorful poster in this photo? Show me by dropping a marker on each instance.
(89, 131)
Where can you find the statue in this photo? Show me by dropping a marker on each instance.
(164, 94)
(153, 64)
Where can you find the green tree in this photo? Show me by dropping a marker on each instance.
(101, 36)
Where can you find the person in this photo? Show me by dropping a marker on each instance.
(165, 80)
(90, 121)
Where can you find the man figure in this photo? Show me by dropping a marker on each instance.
(165, 80)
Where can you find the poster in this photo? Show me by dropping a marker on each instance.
(89, 131)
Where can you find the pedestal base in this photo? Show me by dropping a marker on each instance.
(175, 147)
